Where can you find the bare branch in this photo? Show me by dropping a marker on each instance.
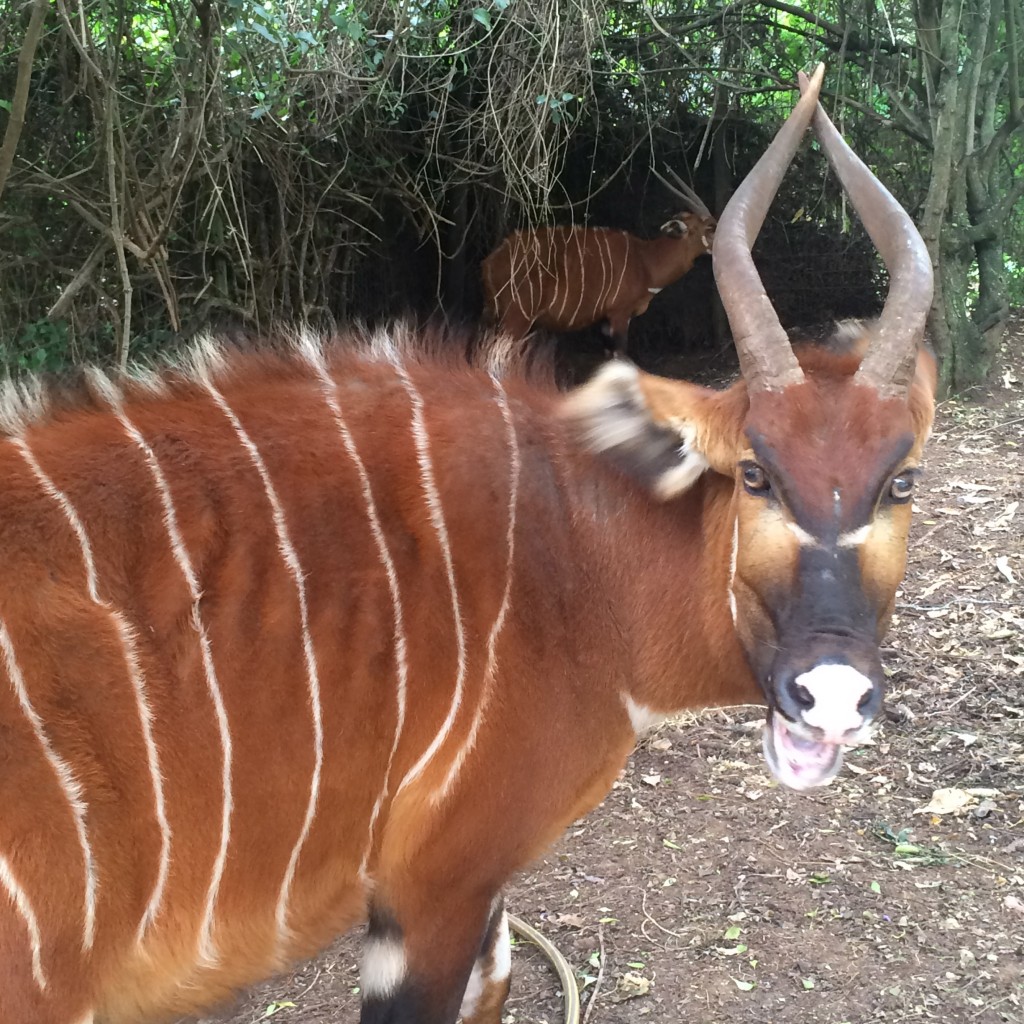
(19, 102)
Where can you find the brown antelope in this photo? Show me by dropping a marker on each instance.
(567, 278)
(299, 638)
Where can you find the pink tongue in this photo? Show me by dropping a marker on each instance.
(803, 745)
(801, 762)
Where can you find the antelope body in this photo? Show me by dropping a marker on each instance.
(567, 278)
(296, 639)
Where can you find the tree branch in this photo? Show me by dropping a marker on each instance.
(1014, 61)
(19, 103)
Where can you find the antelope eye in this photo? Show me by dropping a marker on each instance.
(902, 487)
(755, 480)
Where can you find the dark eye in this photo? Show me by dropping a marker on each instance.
(901, 488)
(755, 480)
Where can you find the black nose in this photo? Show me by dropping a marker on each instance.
(831, 694)
(792, 698)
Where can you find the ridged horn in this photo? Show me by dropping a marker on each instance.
(889, 363)
(683, 191)
(766, 357)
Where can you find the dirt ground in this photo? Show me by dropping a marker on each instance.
(702, 892)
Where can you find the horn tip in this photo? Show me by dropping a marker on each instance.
(812, 84)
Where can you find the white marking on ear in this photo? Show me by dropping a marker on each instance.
(207, 950)
(854, 538)
(129, 648)
(641, 717)
(23, 905)
(433, 502)
(836, 692)
(330, 393)
(805, 539)
(291, 560)
(66, 777)
(680, 479)
(654, 291)
(612, 413)
(617, 383)
(492, 639)
(383, 968)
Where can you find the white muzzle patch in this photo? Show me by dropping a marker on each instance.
(836, 692)
(809, 752)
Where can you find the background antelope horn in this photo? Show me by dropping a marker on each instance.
(683, 191)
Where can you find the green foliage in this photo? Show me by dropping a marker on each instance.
(36, 348)
(277, 159)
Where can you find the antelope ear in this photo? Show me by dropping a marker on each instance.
(665, 433)
(674, 228)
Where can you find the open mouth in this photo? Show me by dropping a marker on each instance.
(796, 761)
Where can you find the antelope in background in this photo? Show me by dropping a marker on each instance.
(567, 278)
(297, 639)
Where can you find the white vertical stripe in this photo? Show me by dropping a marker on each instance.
(65, 776)
(401, 648)
(207, 950)
(622, 270)
(291, 560)
(433, 501)
(23, 905)
(515, 464)
(732, 567)
(581, 282)
(135, 674)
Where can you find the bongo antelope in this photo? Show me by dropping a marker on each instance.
(567, 278)
(342, 632)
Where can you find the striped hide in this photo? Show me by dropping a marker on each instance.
(567, 278)
(342, 631)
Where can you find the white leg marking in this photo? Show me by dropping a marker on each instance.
(474, 990)
(291, 560)
(836, 691)
(207, 950)
(491, 969)
(515, 465)
(23, 905)
(65, 776)
(433, 501)
(502, 951)
(313, 356)
(135, 674)
(383, 969)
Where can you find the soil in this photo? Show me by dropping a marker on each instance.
(700, 891)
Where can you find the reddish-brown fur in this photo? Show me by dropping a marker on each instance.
(609, 593)
(567, 278)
